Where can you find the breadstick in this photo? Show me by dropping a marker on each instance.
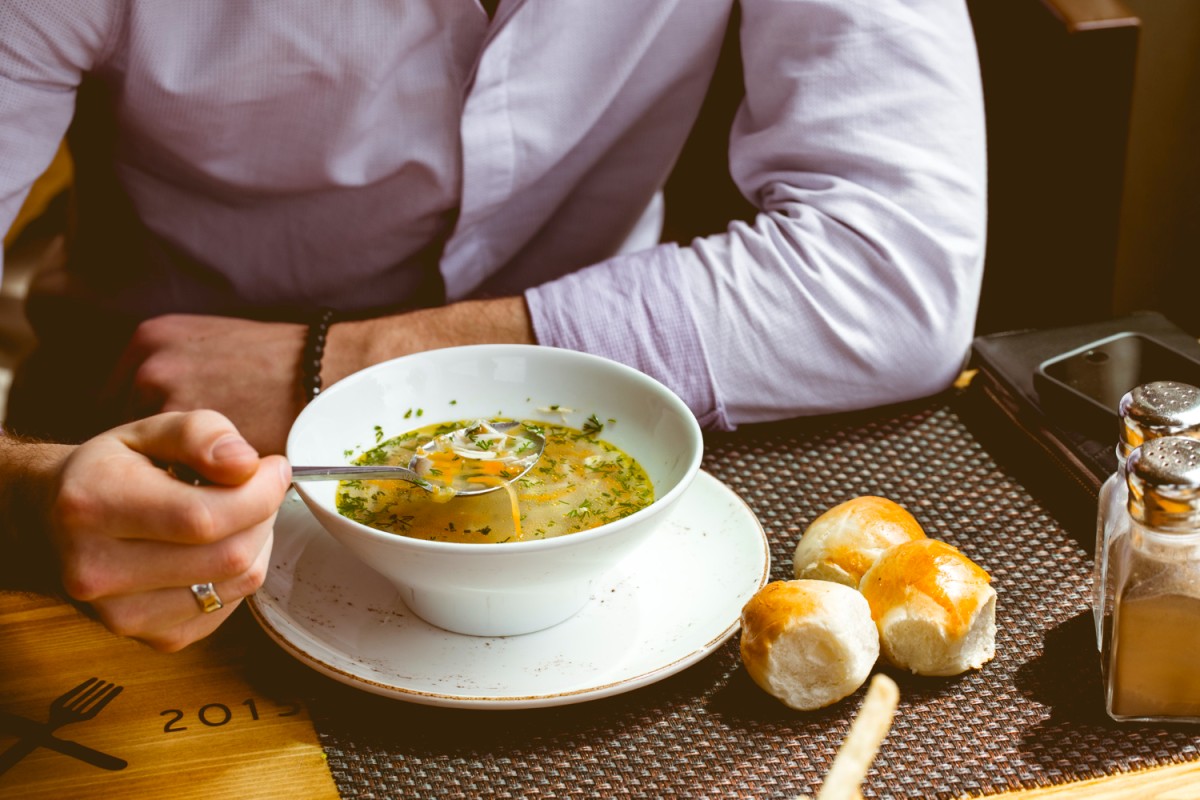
(866, 734)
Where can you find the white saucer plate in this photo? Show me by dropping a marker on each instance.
(674, 601)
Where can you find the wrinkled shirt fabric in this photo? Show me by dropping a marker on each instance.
(293, 154)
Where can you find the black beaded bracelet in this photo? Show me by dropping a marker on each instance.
(314, 351)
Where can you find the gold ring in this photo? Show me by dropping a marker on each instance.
(206, 597)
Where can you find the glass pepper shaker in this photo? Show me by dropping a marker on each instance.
(1153, 649)
(1149, 411)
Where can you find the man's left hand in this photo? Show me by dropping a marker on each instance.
(246, 370)
(250, 371)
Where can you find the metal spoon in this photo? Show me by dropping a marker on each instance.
(416, 471)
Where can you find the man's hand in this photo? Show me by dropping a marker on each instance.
(250, 371)
(131, 539)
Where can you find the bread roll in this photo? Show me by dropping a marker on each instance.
(808, 643)
(933, 606)
(843, 543)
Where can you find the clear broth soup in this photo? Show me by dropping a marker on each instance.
(579, 483)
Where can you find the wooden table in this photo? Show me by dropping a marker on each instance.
(195, 723)
(230, 716)
(201, 723)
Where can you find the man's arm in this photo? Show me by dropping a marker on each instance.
(355, 345)
(861, 142)
(28, 471)
(45, 50)
(105, 523)
(169, 363)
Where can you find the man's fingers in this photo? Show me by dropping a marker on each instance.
(134, 566)
(205, 442)
(170, 618)
(121, 495)
(174, 639)
(190, 514)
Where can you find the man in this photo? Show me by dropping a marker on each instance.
(440, 175)
(107, 522)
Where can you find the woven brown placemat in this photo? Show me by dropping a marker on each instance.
(1032, 717)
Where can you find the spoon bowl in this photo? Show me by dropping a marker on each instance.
(482, 440)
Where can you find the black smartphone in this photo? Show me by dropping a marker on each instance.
(1081, 389)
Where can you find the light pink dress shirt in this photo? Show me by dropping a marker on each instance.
(300, 153)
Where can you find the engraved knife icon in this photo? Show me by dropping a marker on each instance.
(82, 703)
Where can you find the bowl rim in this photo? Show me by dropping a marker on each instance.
(500, 549)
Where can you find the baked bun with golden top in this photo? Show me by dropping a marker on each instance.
(934, 608)
(843, 543)
(808, 643)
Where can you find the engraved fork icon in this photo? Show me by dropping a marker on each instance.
(80, 704)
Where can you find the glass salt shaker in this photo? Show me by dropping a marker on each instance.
(1149, 411)
(1152, 650)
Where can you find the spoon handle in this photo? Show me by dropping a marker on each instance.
(348, 473)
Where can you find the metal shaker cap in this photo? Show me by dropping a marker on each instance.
(1162, 408)
(1164, 484)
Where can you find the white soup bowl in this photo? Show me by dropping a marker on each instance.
(515, 587)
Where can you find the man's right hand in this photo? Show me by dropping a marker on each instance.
(131, 538)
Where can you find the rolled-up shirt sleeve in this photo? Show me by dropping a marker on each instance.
(861, 142)
(45, 47)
